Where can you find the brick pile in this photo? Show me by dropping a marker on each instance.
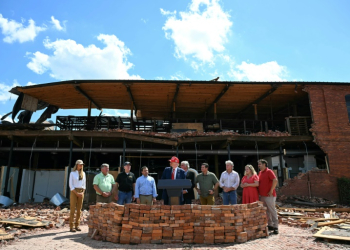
(143, 224)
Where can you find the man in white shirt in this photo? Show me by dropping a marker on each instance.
(229, 182)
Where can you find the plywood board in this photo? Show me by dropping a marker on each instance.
(29, 103)
(12, 183)
(333, 234)
(5, 236)
(25, 221)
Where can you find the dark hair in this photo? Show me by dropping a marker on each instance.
(144, 167)
(206, 165)
(263, 161)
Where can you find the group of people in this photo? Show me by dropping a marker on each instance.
(126, 188)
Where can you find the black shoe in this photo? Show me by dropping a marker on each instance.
(275, 231)
(270, 228)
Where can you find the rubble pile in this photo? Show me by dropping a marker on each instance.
(315, 200)
(54, 216)
(141, 224)
(175, 135)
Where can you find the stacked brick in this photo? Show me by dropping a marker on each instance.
(107, 220)
(143, 224)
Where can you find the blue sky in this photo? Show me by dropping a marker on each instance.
(49, 41)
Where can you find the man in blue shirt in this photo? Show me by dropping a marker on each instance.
(145, 188)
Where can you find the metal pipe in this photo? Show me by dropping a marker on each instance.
(229, 151)
(162, 151)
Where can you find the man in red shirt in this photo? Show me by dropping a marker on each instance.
(267, 192)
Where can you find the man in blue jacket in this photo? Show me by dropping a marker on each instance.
(173, 172)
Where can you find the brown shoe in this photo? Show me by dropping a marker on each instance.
(72, 230)
(78, 229)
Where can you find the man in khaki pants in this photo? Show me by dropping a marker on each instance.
(267, 192)
(145, 188)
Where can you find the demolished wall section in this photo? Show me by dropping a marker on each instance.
(315, 183)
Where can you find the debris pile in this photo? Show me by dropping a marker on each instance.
(18, 220)
(144, 224)
(175, 135)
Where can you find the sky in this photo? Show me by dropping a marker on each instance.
(51, 41)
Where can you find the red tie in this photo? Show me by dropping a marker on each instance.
(173, 174)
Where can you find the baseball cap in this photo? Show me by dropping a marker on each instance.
(79, 162)
(127, 163)
(174, 159)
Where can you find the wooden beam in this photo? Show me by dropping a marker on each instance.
(150, 139)
(257, 101)
(203, 139)
(131, 96)
(87, 96)
(223, 91)
(174, 100)
(76, 141)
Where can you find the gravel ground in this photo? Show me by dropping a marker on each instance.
(289, 238)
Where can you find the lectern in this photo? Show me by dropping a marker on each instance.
(174, 189)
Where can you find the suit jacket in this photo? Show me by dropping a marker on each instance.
(190, 176)
(180, 174)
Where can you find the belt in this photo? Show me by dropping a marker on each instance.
(145, 194)
(79, 189)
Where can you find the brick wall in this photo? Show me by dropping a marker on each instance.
(321, 185)
(331, 129)
(143, 224)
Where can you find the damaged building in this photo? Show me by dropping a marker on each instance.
(296, 126)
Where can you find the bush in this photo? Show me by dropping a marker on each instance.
(344, 190)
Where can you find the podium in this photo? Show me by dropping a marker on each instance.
(174, 189)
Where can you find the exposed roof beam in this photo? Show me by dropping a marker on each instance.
(219, 97)
(175, 96)
(131, 96)
(87, 97)
(257, 101)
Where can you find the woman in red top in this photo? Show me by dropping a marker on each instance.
(250, 183)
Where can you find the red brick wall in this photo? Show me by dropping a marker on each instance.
(321, 184)
(331, 127)
(331, 131)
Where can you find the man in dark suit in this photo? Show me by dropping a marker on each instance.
(190, 175)
(173, 172)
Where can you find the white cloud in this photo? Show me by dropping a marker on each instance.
(57, 25)
(4, 91)
(71, 60)
(14, 31)
(269, 71)
(179, 76)
(200, 32)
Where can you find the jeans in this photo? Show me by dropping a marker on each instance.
(124, 197)
(230, 197)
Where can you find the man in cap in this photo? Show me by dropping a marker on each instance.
(125, 183)
(173, 172)
(104, 184)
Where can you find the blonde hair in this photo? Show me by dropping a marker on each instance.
(81, 171)
(251, 169)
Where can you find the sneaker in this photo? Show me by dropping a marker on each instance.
(275, 231)
(78, 229)
(270, 228)
(72, 230)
